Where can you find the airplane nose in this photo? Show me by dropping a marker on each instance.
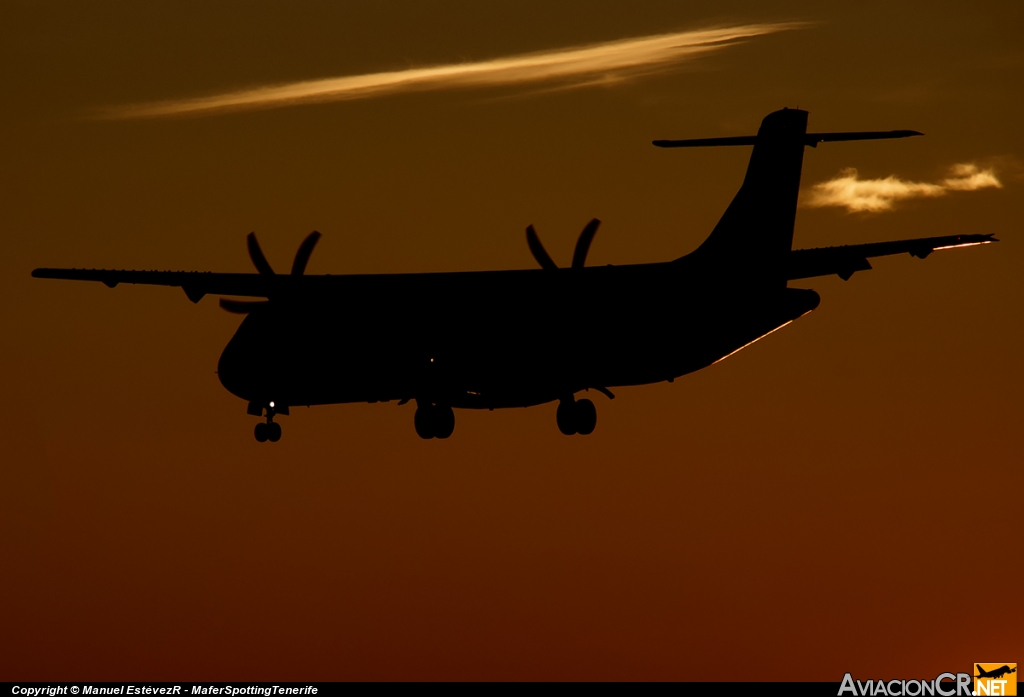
(239, 366)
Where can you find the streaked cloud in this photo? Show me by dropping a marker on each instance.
(573, 66)
(849, 191)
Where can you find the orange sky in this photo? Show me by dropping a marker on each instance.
(840, 497)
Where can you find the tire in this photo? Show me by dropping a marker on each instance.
(586, 417)
(424, 422)
(444, 421)
(274, 432)
(261, 432)
(566, 418)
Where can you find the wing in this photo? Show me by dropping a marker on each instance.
(845, 261)
(196, 284)
(802, 263)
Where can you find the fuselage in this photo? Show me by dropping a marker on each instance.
(498, 339)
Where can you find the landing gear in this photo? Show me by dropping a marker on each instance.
(434, 420)
(576, 417)
(269, 430)
(565, 416)
(586, 417)
(422, 422)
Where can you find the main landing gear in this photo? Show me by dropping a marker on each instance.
(269, 430)
(433, 420)
(576, 416)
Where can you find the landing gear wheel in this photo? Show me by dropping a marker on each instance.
(444, 421)
(434, 421)
(423, 422)
(586, 417)
(273, 432)
(262, 432)
(566, 417)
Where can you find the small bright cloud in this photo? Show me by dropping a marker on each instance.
(849, 191)
(969, 178)
(575, 66)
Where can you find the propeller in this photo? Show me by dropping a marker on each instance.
(538, 251)
(256, 254)
(302, 256)
(579, 255)
(259, 260)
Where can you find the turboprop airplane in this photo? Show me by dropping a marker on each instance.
(501, 339)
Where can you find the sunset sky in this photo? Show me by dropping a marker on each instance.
(842, 496)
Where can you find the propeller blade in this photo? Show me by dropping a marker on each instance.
(302, 256)
(579, 257)
(538, 251)
(256, 254)
(241, 307)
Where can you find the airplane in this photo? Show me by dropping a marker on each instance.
(520, 338)
(996, 673)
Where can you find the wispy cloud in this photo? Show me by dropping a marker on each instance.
(574, 66)
(849, 191)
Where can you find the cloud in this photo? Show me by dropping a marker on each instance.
(849, 191)
(968, 177)
(574, 66)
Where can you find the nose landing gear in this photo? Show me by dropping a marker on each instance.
(269, 430)
(576, 416)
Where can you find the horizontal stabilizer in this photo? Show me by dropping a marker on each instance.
(845, 261)
(705, 142)
(811, 139)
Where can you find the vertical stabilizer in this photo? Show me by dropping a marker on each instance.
(756, 232)
(753, 239)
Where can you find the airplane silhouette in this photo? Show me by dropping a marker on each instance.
(500, 339)
(996, 673)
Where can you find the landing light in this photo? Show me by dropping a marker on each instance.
(271, 405)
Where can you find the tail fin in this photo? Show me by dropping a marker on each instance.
(755, 234)
(756, 230)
